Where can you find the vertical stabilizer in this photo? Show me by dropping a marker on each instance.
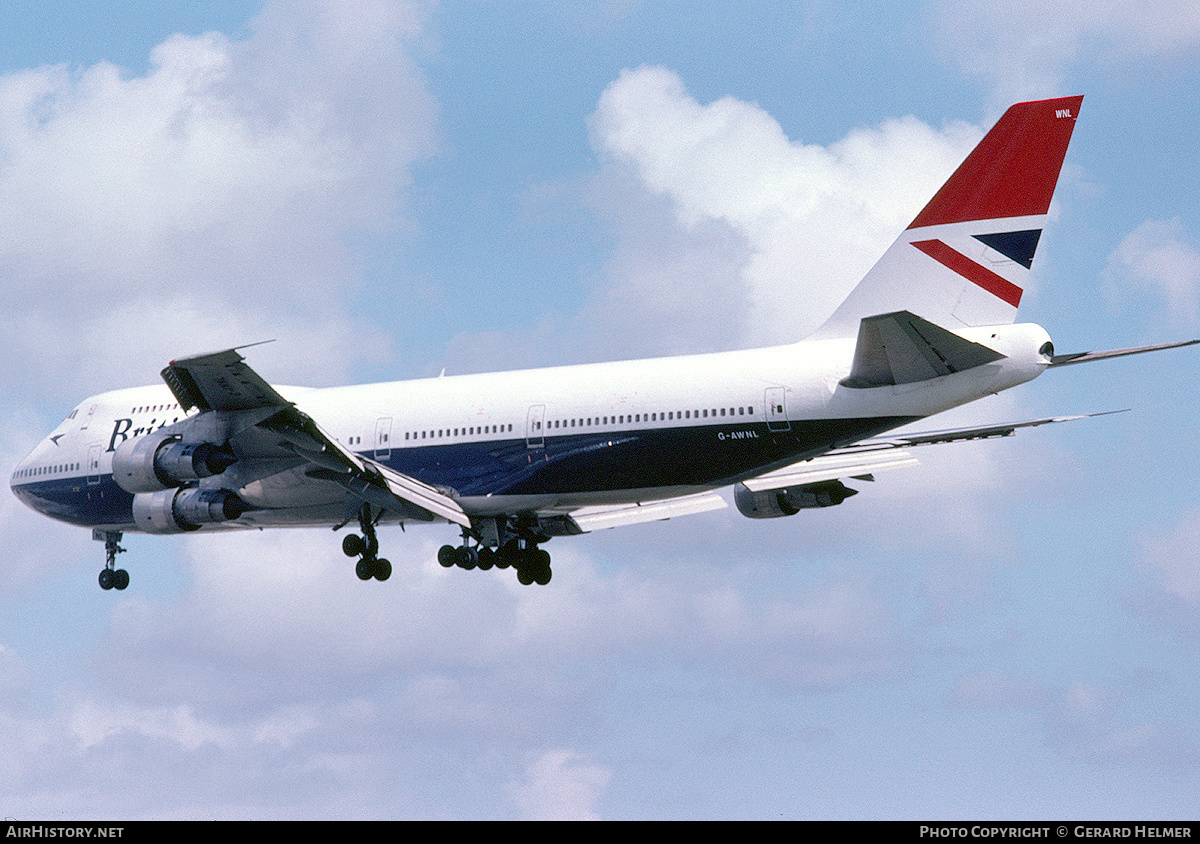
(964, 260)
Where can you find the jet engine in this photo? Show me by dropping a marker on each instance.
(162, 461)
(772, 503)
(181, 510)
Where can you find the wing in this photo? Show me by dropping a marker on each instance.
(817, 482)
(236, 403)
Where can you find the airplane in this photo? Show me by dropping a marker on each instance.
(515, 459)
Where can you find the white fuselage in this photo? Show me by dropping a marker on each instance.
(544, 438)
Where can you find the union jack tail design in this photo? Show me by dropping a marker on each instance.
(964, 260)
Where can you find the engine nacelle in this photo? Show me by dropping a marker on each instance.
(772, 503)
(181, 510)
(163, 461)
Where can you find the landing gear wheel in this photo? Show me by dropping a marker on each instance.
(533, 566)
(466, 557)
(539, 562)
(487, 558)
(111, 577)
(366, 548)
(447, 555)
(505, 556)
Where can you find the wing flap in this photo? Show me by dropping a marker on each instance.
(830, 467)
(219, 381)
(422, 495)
(600, 518)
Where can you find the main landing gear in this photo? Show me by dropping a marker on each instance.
(111, 577)
(510, 544)
(532, 563)
(366, 548)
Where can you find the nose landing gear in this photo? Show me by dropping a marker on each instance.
(111, 577)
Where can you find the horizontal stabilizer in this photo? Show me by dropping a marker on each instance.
(901, 348)
(949, 435)
(1087, 357)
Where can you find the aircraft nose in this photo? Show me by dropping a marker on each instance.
(20, 479)
(32, 467)
(20, 470)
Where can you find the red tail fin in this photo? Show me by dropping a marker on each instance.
(1013, 171)
(964, 259)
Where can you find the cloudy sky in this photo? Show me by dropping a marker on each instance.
(387, 189)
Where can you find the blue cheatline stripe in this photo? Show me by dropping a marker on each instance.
(705, 455)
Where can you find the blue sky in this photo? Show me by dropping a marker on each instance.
(388, 189)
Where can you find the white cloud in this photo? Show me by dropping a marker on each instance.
(805, 222)
(560, 786)
(1103, 724)
(1025, 48)
(91, 725)
(1158, 261)
(1168, 590)
(209, 200)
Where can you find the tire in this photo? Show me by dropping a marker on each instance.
(466, 558)
(487, 558)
